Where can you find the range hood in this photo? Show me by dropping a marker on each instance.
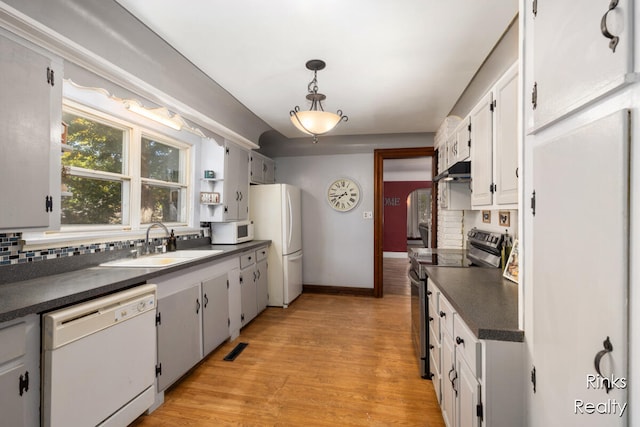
(459, 172)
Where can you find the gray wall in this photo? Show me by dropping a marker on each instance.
(110, 32)
(337, 247)
(503, 55)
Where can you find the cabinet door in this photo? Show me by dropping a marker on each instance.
(482, 152)
(27, 127)
(449, 380)
(179, 334)
(236, 183)
(573, 61)
(463, 138)
(269, 171)
(452, 150)
(12, 404)
(506, 137)
(248, 289)
(580, 271)
(215, 312)
(257, 169)
(468, 396)
(262, 287)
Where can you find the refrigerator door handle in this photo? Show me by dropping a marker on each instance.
(290, 206)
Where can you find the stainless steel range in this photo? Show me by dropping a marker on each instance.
(483, 250)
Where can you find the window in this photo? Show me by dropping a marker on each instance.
(118, 174)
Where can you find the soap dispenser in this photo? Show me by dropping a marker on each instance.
(172, 243)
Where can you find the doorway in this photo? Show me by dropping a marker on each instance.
(378, 194)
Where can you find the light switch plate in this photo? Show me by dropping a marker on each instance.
(367, 215)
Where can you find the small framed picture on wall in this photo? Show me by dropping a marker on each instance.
(486, 217)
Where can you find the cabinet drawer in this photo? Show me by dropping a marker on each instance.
(436, 377)
(13, 342)
(434, 327)
(467, 346)
(247, 259)
(261, 254)
(445, 311)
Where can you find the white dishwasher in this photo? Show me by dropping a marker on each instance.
(99, 360)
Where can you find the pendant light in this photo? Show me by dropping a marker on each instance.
(315, 121)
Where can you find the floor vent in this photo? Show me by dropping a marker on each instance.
(235, 352)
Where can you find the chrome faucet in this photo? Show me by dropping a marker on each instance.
(153, 224)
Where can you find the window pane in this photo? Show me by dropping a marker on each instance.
(94, 201)
(160, 204)
(160, 161)
(95, 145)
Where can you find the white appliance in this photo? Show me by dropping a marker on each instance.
(231, 233)
(277, 216)
(99, 360)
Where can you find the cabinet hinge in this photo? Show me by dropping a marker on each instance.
(226, 150)
(228, 322)
(23, 383)
(158, 369)
(534, 8)
(480, 411)
(533, 378)
(491, 106)
(534, 96)
(227, 283)
(50, 77)
(48, 204)
(493, 188)
(533, 203)
(158, 319)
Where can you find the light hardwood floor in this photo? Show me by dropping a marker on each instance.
(327, 360)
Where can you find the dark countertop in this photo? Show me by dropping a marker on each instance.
(486, 301)
(50, 292)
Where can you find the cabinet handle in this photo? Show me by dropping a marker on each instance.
(442, 314)
(430, 319)
(517, 170)
(431, 347)
(206, 300)
(459, 341)
(197, 305)
(613, 40)
(608, 348)
(453, 380)
(429, 292)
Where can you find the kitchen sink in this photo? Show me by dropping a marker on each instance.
(163, 259)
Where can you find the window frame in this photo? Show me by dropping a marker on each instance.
(131, 177)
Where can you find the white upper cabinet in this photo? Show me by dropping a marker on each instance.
(482, 152)
(225, 193)
(506, 138)
(30, 129)
(494, 145)
(575, 63)
(463, 140)
(262, 170)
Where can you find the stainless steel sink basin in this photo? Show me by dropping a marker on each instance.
(162, 260)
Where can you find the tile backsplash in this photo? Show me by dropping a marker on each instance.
(11, 250)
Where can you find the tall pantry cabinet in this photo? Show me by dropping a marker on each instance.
(580, 212)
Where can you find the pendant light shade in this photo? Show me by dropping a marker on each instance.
(315, 121)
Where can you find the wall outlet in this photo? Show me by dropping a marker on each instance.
(367, 215)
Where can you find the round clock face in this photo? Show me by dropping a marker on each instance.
(343, 194)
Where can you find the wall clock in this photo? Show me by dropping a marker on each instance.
(343, 194)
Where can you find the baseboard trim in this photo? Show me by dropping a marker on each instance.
(337, 290)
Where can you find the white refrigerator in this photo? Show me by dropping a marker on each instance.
(276, 214)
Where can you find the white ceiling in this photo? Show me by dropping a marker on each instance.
(392, 66)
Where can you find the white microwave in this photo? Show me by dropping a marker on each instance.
(230, 233)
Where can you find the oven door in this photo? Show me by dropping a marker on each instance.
(419, 322)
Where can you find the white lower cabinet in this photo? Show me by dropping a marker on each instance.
(179, 334)
(192, 317)
(253, 284)
(20, 372)
(215, 312)
(480, 380)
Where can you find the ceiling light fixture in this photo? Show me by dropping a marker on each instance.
(316, 121)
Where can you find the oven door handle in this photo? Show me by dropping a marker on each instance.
(415, 280)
